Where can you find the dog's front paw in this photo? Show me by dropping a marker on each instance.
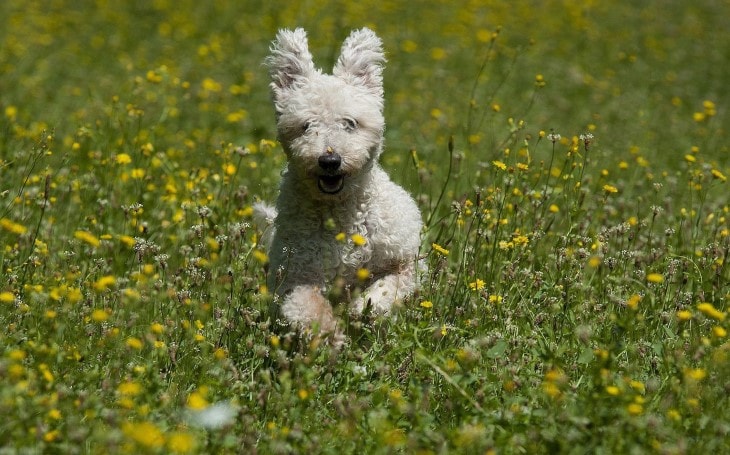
(306, 308)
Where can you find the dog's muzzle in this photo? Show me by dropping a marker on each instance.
(331, 180)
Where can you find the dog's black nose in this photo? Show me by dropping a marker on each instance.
(330, 162)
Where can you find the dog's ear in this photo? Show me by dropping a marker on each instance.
(290, 59)
(361, 60)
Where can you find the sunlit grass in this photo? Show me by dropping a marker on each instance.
(570, 160)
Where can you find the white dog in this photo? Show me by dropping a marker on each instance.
(340, 222)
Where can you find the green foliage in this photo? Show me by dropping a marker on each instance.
(577, 290)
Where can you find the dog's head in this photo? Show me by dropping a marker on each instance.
(331, 126)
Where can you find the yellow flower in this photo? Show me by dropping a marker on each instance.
(613, 390)
(129, 389)
(554, 208)
(363, 274)
(695, 374)
(690, 158)
(12, 226)
(7, 297)
(635, 409)
(684, 315)
(655, 278)
(718, 175)
(711, 312)
(499, 165)
(104, 283)
(495, 298)
(123, 158)
(275, 341)
(197, 401)
(180, 442)
(477, 285)
(87, 237)
(426, 304)
(134, 343)
(303, 394)
(99, 315)
(144, 433)
(633, 301)
(358, 239)
(439, 249)
(719, 332)
(610, 189)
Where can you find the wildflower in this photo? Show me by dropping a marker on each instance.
(718, 175)
(690, 158)
(613, 390)
(711, 312)
(719, 332)
(104, 283)
(260, 256)
(610, 189)
(123, 158)
(554, 208)
(363, 274)
(274, 340)
(181, 442)
(477, 285)
(196, 401)
(144, 433)
(303, 394)
(695, 374)
(134, 343)
(438, 53)
(12, 226)
(129, 389)
(87, 237)
(633, 301)
(426, 304)
(358, 239)
(499, 165)
(99, 315)
(439, 249)
(7, 297)
(684, 315)
(655, 278)
(635, 409)
(493, 298)
(539, 81)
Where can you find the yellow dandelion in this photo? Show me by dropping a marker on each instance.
(87, 237)
(7, 297)
(260, 256)
(609, 189)
(655, 278)
(493, 298)
(718, 175)
(710, 311)
(181, 442)
(129, 389)
(690, 158)
(684, 315)
(499, 165)
(196, 401)
(633, 301)
(439, 249)
(363, 274)
(123, 158)
(635, 409)
(275, 341)
(145, 434)
(426, 304)
(554, 208)
(477, 285)
(104, 283)
(719, 332)
(12, 226)
(613, 390)
(695, 374)
(303, 394)
(157, 328)
(99, 315)
(134, 343)
(358, 239)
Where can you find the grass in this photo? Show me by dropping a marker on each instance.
(569, 158)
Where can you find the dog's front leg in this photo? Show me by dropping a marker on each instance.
(305, 307)
(387, 291)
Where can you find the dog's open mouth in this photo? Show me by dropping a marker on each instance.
(331, 184)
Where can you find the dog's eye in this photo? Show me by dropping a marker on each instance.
(349, 124)
(306, 126)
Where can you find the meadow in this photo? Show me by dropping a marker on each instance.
(570, 159)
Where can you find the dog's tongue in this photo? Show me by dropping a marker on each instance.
(330, 184)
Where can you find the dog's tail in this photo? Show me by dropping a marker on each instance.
(264, 216)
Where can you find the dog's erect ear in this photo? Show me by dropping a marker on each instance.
(361, 60)
(290, 59)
